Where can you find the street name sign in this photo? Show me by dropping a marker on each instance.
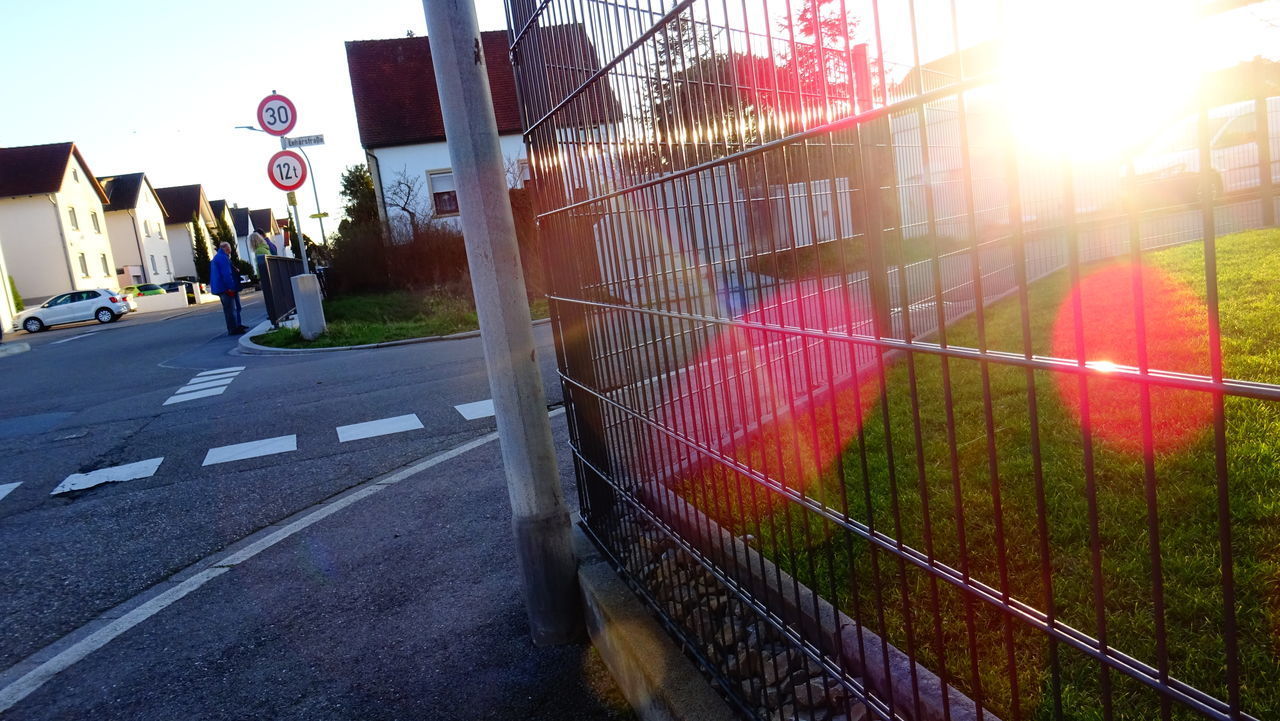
(277, 114)
(301, 141)
(286, 170)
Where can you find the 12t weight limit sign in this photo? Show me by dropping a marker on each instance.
(286, 170)
(277, 115)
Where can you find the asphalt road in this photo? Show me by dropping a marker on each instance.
(305, 635)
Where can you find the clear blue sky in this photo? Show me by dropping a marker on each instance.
(158, 86)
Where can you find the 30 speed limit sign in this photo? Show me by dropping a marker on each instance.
(286, 170)
(277, 115)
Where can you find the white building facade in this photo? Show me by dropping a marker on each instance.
(135, 224)
(55, 235)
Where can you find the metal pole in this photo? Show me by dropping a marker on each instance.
(311, 172)
(297, 215)
(539, 518)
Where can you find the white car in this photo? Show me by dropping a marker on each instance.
(101, 305)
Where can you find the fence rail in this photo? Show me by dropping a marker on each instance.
(882, 406)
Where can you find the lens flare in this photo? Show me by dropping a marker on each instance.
(1176, 329)
(764, 397)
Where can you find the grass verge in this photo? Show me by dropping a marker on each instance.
(362, 319)
(970, 489)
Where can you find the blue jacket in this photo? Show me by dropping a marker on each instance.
(222, 277)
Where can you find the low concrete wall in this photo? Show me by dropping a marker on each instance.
(168, 301)
(658, 681)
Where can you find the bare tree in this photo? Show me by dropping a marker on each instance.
(405, 193)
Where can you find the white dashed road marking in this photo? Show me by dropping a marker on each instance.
(116, 474)
(479, 409)
(7, 488)
(205, 384)
(252, 449)
(382, 427)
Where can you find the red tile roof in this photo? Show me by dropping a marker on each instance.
(393, 84)
(38, 169)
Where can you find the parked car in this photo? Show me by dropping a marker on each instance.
(1169, 169)
(101, 305)
(143, 289)
(175, 286)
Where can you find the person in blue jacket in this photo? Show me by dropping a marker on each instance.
(224, 284)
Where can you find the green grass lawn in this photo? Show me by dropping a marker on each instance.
(896, 487)
(360, 319)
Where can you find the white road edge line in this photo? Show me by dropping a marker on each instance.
(7, 488)
(194, 395)
(74, 337)
(251, 449)
(381, 427)
(36, 677)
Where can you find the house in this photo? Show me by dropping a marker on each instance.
(8, 304)
(135, 225)
(222, 217)
(187, 213)
(265, 220)
(240, 226)
(52, 223)
(402, 131)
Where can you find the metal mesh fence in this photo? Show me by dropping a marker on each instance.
(885, 410)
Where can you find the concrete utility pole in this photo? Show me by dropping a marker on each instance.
(539, 518)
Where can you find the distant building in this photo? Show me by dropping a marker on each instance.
(264, 219)
(240, 226)
(135, 224)
(52, 226)
(185, 207)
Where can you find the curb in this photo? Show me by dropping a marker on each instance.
(247, 346)
(13, 348)
(659, 682)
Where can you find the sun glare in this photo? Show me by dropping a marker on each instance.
(1094, 77)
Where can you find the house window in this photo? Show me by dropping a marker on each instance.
(94, 218)
(167, 269)
(154, 269)
(75, 175)
(75, 223)
(444, 194)
(84, 266)
(522, 169)
(146, 228)
(106, 268)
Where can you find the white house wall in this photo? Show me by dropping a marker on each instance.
(182, 249)
(8, 308)
(33, 247)
(415, 161)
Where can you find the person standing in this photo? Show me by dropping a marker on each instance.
(224, 284)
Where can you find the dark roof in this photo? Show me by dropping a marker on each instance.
(218, 207)
(122, 190)
(261, 218)
(393, 84)
(240, 220)
(37, 169)
(181, 202)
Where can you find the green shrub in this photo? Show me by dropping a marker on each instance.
(17, 299)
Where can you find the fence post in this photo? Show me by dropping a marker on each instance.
(1262, 122)
(539, 518)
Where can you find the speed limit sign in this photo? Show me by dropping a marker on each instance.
(286, 170)
(277, 115)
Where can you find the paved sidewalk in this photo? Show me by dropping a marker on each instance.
(403, 605)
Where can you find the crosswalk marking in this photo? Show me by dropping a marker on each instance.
(192, 396)
(205, 384)
(252, 449)
(381, 427)
(219, 371)
(479, 409)
(7, 488)
(115, 474)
